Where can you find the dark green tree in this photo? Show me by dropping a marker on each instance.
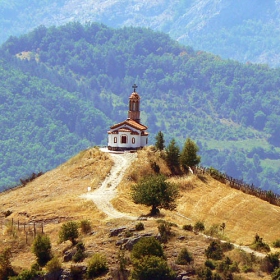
(184, 257)
(173, 156)
(147, 246)
(189, 157)
(214, 251)
(160, 141)
(152, 268)
(69, 231)
(41, 247)
(155, 191)
(6, 269)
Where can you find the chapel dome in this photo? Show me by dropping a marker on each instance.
(134, 96)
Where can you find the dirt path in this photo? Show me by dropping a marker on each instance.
(107, 191)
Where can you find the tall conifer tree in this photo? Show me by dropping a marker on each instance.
(189, 157)
(160, 141)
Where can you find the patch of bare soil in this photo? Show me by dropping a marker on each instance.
(103, 195)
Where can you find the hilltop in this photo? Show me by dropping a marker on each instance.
(55, 198)
(62, 87)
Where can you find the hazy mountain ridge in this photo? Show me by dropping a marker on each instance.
(239, 30)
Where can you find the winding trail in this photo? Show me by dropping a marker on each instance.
(103, 195)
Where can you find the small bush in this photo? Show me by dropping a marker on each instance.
(214, 251)
(41, 247)
(6, 269)
(152, 268)
(188, 227)
(7, 213)
(155, 167)
(210, 264)
(276, 243)
(69, 231)
(227, 246)
(53, 265)
(128, 233)
(270, 262)
(79, 255)
(206, 273)
(199, 226)
(164, 229)
(97, 265)
(247, 268)
(139, 226)
(85, 226)
(184, 257)
(259, 245)
(276, 274)
(147, 246)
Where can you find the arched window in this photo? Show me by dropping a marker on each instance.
(123, 139)
(133, 140)
(115, 140)
(146, 141)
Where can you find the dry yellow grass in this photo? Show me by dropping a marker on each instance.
(204, 199)
(55, 197)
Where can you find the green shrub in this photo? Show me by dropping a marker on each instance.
(199, 226)
(6, 269)
(259, 245)
(214, 251)
(270, 262)
(41, 247)
(247, 268)
(276, 243)
(210, 264)
(152, 268)
(188, 227)
(53, 265)
(216, 174)
(223, 266)
(147, 246)
(79, 255)
(206, 274)
(85, 226)
(213, 230)
(276, 274)
(226, 246)
(164, 229)
(128, 233)
(69, 231)
(184, 257)
(97, 265)
(139, 226)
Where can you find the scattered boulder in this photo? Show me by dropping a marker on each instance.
(68, 255)
(116, 231)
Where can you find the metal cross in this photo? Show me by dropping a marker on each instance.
(135, 87)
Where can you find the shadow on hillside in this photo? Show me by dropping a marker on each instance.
(149, 215)
(202, 178)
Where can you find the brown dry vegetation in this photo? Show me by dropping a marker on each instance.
(55, 197)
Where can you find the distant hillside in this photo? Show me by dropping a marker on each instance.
(74, 81)
(242, 30)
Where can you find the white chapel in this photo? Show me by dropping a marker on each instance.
(129, 134)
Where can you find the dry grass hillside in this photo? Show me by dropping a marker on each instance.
(55, 197)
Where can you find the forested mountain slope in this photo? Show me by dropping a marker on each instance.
(79, 78)
(241, 30)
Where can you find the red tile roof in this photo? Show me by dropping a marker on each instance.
(132, 123)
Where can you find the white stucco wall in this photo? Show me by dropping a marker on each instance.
(140, 141)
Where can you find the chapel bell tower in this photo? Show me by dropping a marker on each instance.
(134, 105)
